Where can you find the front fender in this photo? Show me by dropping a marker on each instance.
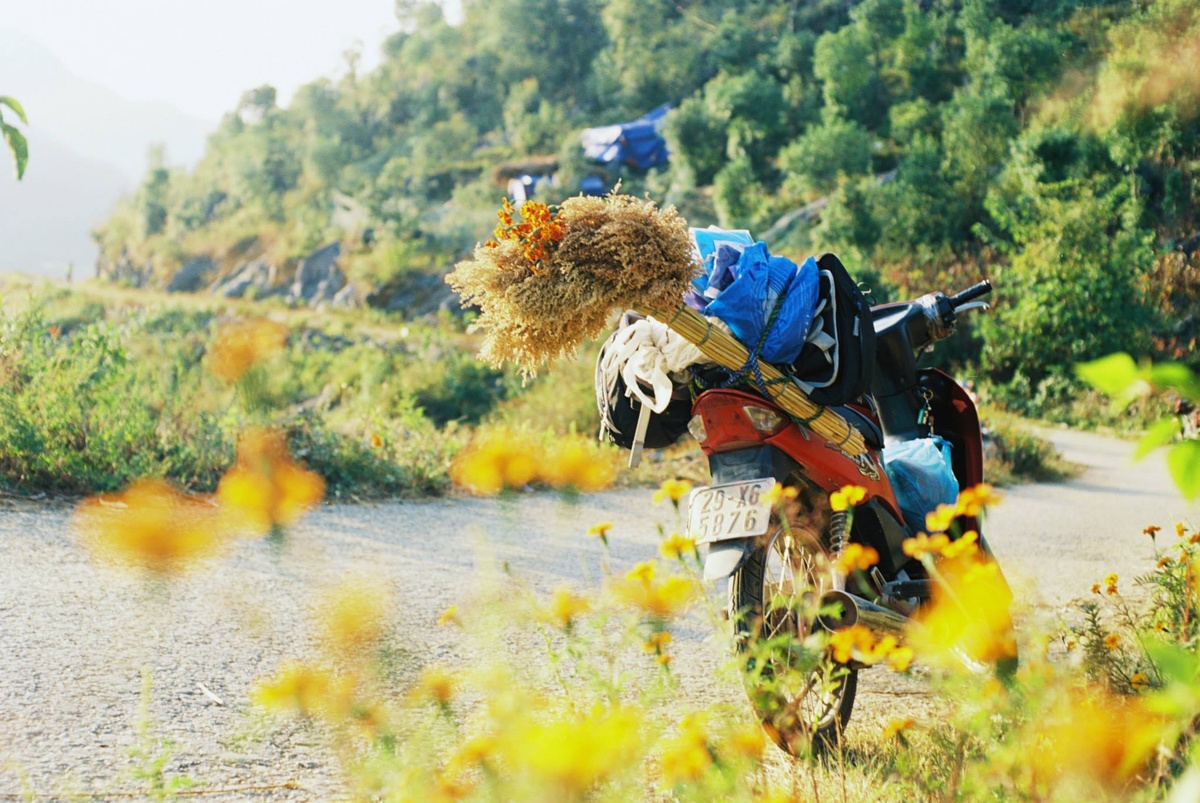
(726, 557)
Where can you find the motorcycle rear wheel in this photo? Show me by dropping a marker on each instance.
(812, 712)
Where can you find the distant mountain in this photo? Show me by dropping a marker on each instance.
(89, 119)
(46, 219)
(87, 147)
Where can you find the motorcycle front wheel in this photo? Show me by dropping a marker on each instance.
(805, 708)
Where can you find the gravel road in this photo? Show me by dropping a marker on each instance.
(78, 642)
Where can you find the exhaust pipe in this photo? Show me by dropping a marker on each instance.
(857, 611)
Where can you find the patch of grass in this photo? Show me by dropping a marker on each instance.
(1014, 454)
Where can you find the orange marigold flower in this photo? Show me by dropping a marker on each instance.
(940, 519)
(1095, 588)
(1180, 529)
(856, 557)
(1112, 641)
(967, 545)
(924, 545)
(1152, 530)
(1139, 681)
(239, 346)
(847, 497)
(895, 727)
(265, 489)
(1163, 562)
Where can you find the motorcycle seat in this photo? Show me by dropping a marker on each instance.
(872, 434)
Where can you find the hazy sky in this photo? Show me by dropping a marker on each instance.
(201, 54)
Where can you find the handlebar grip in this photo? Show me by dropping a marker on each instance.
(971, 293)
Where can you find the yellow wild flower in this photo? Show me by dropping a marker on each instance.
(676, 546)
(846, 497)
(600, 531)
(353, 616)
(311, 690)
(661, 598)
(436, 684)
(575, 753)
(579, 463)
(748, 741)
(940, 519)
(1139, 682)
(778, 493)
(969, 618)
(673, 490)
(497, 459)
(151, 525)
(265, 490)
(449, 617)
(1112, 641)
(564, 608)
(241, 345)
(687, 756)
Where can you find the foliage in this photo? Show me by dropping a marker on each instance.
(1124, 380)
(13, 137)
(95, 399)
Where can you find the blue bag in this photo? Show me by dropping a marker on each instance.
(922, 476)
(748, 303)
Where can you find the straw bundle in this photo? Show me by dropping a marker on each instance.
(545, 284)
(730, 353)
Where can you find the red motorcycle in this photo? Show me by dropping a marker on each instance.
(751, 444)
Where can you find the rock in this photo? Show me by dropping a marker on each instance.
(416, 295)
(257, 274)
(318, 277)
(192, 276)
(346, 297)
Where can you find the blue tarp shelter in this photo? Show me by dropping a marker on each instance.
(638, 144)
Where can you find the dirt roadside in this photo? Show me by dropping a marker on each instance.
(76, 639)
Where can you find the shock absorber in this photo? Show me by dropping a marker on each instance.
(838, 535)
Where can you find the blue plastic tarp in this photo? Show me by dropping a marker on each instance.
(637, 143)
(764, 298)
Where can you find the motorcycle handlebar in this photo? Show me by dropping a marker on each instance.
(971, 293)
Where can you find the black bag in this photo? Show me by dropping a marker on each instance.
(836, 362)
(664, 428)
(619, 411)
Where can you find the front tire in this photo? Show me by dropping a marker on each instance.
(809, 711)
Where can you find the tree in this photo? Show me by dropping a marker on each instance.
(15, 139)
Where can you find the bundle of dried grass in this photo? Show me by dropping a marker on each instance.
(596, 255)
(545, 284)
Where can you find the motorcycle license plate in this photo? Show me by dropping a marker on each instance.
(732, 510)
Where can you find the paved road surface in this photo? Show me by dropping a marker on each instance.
(74, 638)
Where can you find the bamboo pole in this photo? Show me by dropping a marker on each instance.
(727, 351)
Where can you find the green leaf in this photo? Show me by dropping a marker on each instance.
(18, 146)
(1160, 434)
(1177, 377)
(1184, 462)
(1175, 664)
(1113, 375)
(11, 103)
